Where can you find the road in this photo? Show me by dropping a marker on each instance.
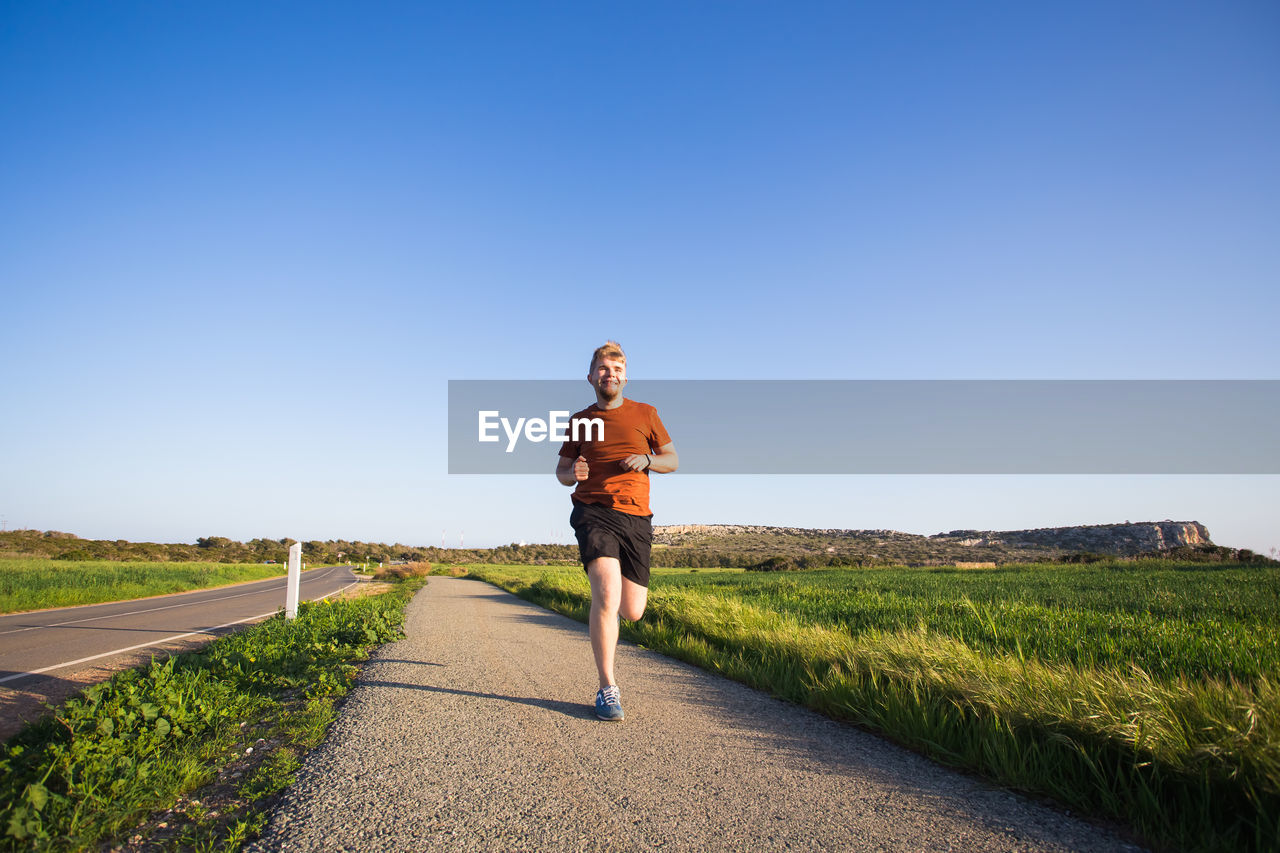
(46, 655)
(476, 732)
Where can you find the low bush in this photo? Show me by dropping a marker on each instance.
(778, 563)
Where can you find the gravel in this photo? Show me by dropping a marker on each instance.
(477, 732)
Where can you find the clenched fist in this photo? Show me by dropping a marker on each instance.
(580, 469)
(636, 462)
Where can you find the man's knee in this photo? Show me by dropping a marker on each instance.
(631, 612)
(606, 607)
(634, 598)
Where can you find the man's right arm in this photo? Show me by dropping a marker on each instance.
(570, 472)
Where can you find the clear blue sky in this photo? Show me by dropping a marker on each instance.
(243, 247)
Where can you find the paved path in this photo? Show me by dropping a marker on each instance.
(476, 733)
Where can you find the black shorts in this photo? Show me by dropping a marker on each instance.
(604, 532)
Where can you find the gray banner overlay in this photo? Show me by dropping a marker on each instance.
(893, 426)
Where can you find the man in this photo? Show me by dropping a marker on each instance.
(611, 515)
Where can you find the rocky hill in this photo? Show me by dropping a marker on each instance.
(1121, 539)
(871, 546)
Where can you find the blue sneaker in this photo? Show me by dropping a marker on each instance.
(609, 703)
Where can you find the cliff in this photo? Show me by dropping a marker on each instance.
(1046, 543)
(1121, 539)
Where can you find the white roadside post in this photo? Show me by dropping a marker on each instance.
(295, 575)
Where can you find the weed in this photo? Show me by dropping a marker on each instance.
(272, 776)
(306, 726)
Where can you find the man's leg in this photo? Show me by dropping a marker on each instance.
(612, 596)
(634, 599)
(605, 574)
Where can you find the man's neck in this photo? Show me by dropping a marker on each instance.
(602, 403)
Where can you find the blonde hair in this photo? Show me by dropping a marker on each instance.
(611, 349)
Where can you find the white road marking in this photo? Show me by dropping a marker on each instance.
(159, 642)
(157, 609)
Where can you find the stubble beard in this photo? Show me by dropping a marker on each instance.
(609, 393)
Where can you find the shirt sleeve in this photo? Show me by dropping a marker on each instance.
(657, 432)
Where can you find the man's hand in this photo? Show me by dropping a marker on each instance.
(635, 462)
(580, 469)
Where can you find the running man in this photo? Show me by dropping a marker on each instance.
(611, 516)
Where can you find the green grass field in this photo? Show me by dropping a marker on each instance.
(36, 583)
(1147, 693)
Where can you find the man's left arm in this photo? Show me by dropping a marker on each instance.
(663, 462)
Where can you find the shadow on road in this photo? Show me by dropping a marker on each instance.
(176, 629)
(548, 619)
(405, 660)
(24, 700)
(28, 680)
(569, 709)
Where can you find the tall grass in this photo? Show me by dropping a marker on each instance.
(1166, 618)
(1148, 694)
(35, 583)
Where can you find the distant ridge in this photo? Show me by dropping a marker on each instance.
(1127, 539)
(700, 545)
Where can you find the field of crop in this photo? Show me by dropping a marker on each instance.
(35, 583)
(1143, 692)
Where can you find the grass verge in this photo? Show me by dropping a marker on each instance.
(238, 713)
(37, 583)
(1189, 760)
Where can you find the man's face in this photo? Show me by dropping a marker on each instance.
(609, 377)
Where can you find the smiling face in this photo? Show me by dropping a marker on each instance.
(608, 376)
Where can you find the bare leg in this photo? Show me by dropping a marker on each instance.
(611, 595)
(605, 574)
(634, 599)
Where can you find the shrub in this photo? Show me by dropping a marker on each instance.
(776, 563)
(401, 572)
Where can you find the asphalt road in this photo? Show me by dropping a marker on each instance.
(43, 644)
(476, 732)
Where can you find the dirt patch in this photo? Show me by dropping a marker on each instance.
(364, 589)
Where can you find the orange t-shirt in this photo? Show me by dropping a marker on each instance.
(630, 428)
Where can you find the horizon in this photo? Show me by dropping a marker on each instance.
(656, 527)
